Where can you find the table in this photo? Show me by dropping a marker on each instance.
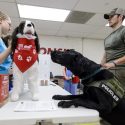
(68, 115)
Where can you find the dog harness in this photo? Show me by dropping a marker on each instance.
(112, 87)
(25, 54)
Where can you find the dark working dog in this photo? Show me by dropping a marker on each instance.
(102, 91)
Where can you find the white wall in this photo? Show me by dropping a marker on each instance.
(92, 49)
(60, 42)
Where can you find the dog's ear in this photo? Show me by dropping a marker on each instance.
(37, 43)
(14, 39)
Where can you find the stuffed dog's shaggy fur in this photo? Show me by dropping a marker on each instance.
(93, 97)
(25, 49)
(20, 29)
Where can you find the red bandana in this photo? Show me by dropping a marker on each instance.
(25, 54)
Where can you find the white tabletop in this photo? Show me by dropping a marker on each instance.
(68, 115)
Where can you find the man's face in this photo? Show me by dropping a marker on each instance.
(113, 20)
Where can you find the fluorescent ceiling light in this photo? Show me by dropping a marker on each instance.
(122, 23)
(42, 13)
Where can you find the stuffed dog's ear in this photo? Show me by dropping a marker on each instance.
(21, 27)
(37, 43)
(14, 39)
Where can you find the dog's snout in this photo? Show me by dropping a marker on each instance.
(29, 25)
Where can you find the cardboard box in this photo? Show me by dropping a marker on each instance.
(4, 88)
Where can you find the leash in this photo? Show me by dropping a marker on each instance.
(91, 75)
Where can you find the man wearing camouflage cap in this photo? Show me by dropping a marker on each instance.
(114, 59)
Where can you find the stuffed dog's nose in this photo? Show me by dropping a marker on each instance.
(29, 25)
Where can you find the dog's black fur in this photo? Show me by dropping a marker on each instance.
(92, 97)
(20, 29)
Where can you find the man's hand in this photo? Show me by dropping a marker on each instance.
(108, 65)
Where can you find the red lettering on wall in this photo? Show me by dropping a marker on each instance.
(49, 50)
(44, 50)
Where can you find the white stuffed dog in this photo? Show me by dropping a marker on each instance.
(25, 47)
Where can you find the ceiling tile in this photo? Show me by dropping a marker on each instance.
(99, 6)
(41, 24)
(15, 23)
(46, 32)
(79, 27)
(121, 3)
(9, 8)
(71, 34)
(93, 28)
(60, 4)
(97, 20)
(7, 1)
(79, 17)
